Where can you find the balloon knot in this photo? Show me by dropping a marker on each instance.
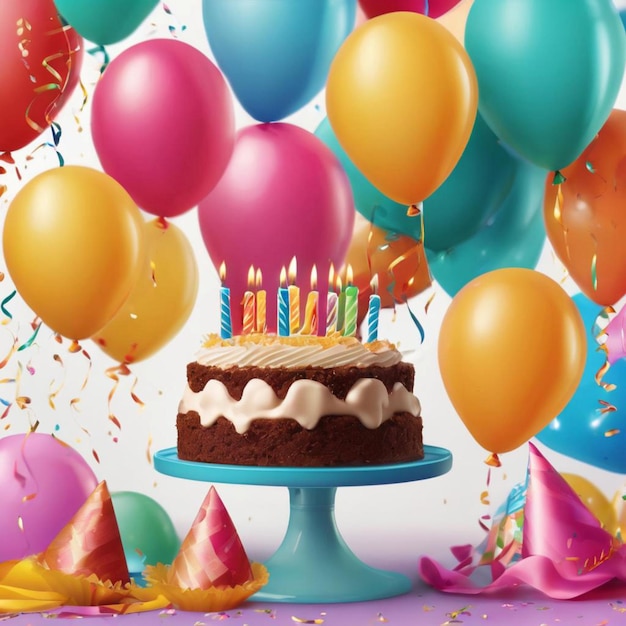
(493, 460)
(413, 211)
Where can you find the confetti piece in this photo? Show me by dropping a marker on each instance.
(299, 620)
(381, 618)
(484, 498)
(5, 301)
(606, 407)
(612, 432)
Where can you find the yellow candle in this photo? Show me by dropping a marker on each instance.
(261, 304)
(294, 299)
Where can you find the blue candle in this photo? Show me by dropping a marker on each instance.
(283, 305)
(226, 326)
(373, 311)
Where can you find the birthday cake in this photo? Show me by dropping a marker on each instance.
(302, 401)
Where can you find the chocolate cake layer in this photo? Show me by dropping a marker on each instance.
(338, 440)
(339, 380)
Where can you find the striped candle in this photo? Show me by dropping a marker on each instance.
(311, 313)
(249, 306)
(294, 299)
(373, 311)
(351, 307)
(226, 326)
(261, 304)
(331, 312)
(283, 305)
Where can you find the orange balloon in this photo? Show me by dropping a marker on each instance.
(161, 301)
(585, 217)
(401, 97)
(512, 351)
(399, 263)
(73, 244)
(594, 499)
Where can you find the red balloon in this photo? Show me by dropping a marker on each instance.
(40, 62)
(163, 124)
(432, 8)
(284, 194)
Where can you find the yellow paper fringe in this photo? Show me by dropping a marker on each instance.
(207, 600)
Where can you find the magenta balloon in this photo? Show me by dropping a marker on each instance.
(44, 483)
(163, 124)
(284, 194)
(432, 8)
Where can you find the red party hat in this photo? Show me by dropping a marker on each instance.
(90, 542)
(211, 555)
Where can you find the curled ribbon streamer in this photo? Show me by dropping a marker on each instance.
(420, 328)
(5, 301)
(106, 59)
(55, 392)
(29, 342)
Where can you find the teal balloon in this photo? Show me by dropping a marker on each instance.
(276, 53)
(549, 72)
(105, 21)
(513, 237)
(583, 429)
(368, 201)
(477, 186)
(147, 532)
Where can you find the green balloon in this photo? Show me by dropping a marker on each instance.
(147, 532)
(514, 237)
(549, 72)
(105, 21)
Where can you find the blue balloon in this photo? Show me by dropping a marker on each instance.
(588, 430)
(549, 72)
(513, 237)
(276, 54)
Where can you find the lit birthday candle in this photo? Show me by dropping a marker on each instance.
(261, 304)
(294, 298)
(311, 313)
(351, 306)
(341, 302)
(331, 303)
(226, 326)
(249, 306)
(373, 311)
(283, 305)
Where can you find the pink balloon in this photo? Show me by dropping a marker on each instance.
(44, 483)
(432, 8)
(163, 124)
(284, 194)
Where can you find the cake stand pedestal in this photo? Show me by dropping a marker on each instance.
(313, 563)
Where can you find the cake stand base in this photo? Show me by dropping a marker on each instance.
(313, 564)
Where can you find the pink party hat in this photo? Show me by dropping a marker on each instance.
(211, 554)
(90, 542)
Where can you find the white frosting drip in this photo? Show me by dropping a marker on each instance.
(306, 401)
(292, 355)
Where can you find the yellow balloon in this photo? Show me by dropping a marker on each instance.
(594, 499)
(619, 508)
(401, 97)
(161, 301)
(512, 351)
(72, 244)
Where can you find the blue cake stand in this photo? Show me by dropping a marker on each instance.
(313, 564)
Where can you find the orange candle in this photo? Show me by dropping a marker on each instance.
(249, 306)
(311, 313)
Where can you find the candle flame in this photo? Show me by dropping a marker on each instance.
(222, 271)
(259, 279)
(338, 284)
(313, 278)
(293, 271)
(331, 276)
(251, 277)
(349, 275)
(283, 277)
(374, 284)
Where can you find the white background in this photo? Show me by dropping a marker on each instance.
(416, 518)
